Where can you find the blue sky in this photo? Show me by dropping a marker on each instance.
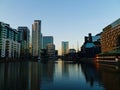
(66, 20)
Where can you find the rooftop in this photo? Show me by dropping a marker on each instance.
(89, 45)
(112, 25)
(115, 23)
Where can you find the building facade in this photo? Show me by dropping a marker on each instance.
(9, 45)
(47, 40)
(51, 50)
(110, 38)
(24, 40)
(65, 47)
(36, 38)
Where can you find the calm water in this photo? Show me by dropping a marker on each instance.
(58, 75)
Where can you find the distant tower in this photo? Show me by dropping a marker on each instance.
(36, 38)
(65, 47)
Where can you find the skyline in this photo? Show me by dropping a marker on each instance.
(61, 17)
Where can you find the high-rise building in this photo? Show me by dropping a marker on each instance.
(65, 47)
(36, 38)
(9, 45)
(24, 40)
(47, 40)
(110, 38)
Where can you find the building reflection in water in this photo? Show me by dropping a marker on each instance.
(59, 75)
(47, 75)
(92, 75)
(110, 77)
(25, 75)
(13, 76)
(76, 77)
(34, 76)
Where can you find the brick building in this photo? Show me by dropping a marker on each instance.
(110, 38)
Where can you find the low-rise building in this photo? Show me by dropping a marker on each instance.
(51, 50)
(72, 50)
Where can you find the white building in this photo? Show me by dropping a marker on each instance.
(9, 45)
(36, 38)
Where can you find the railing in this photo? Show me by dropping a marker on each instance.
(110, 59)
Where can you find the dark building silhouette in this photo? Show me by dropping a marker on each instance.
(91, 46)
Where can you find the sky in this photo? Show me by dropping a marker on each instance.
(65, 20)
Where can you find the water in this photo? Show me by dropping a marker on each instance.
(57, 75)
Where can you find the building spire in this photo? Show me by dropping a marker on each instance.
(77, 46)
